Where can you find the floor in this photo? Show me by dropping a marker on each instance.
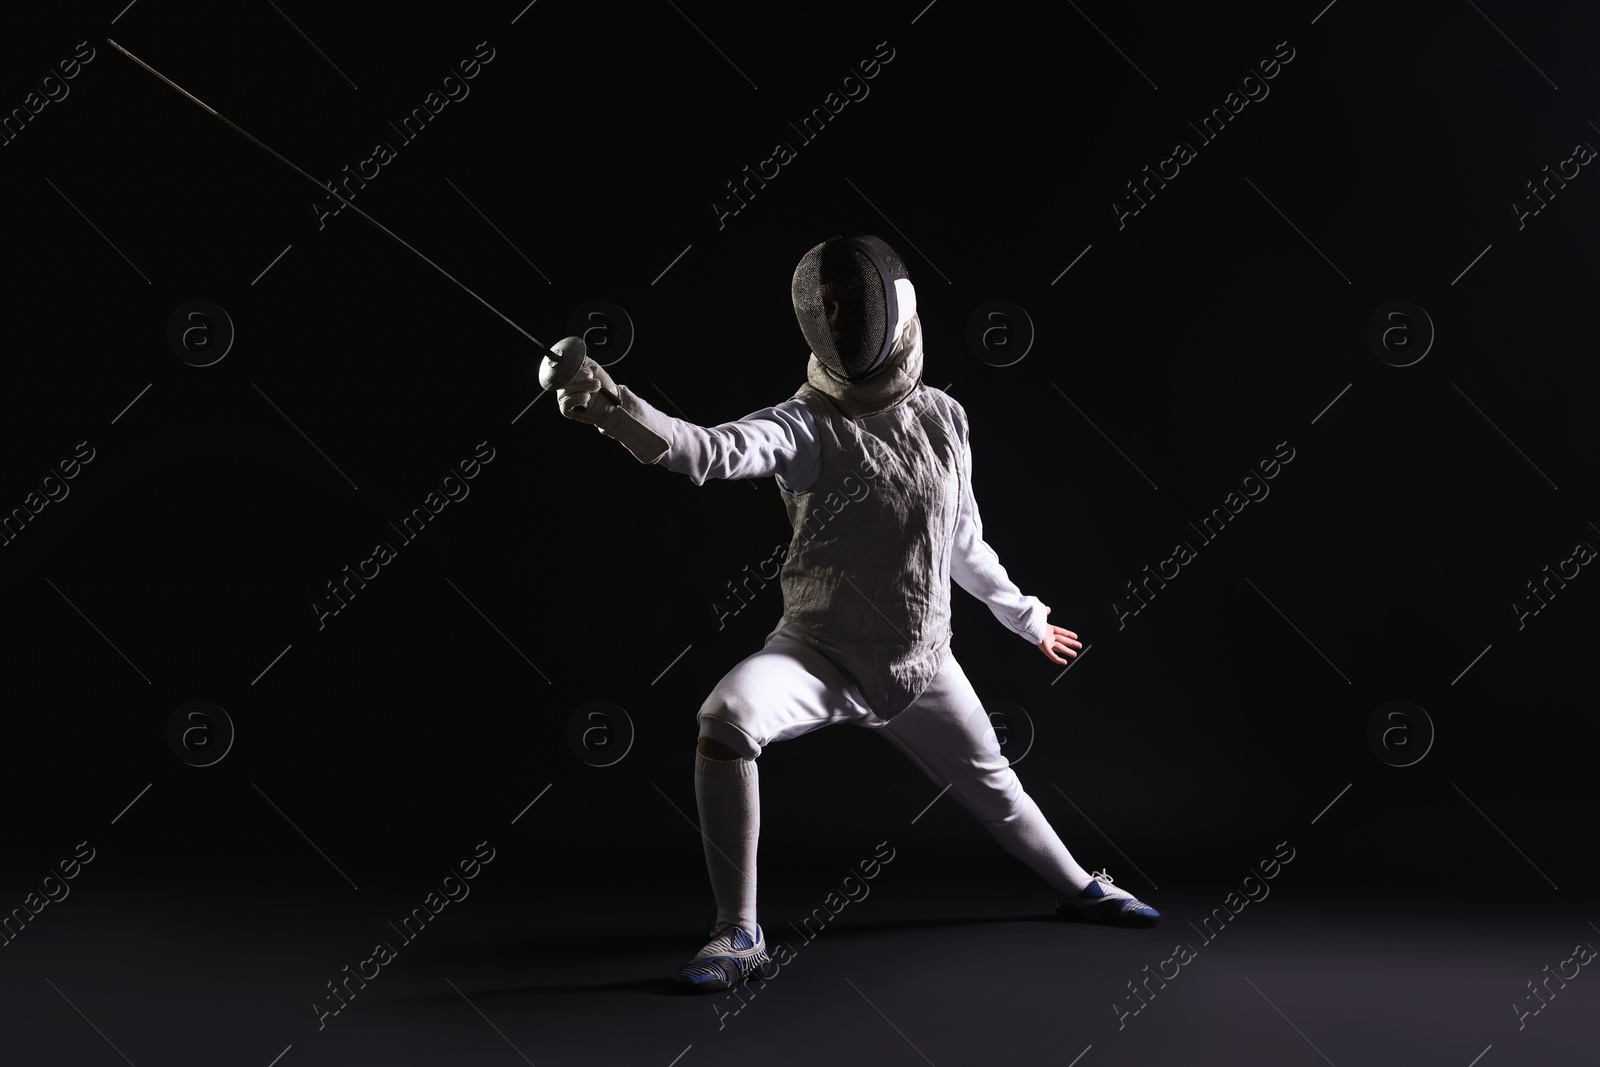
(945, 971)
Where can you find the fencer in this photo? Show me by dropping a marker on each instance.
(875, 471)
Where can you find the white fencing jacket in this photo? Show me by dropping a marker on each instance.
(884, 518)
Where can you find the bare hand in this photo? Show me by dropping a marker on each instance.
(1059, 639)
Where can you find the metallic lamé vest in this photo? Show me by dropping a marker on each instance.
(866, 581)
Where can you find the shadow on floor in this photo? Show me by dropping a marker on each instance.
(616, 947)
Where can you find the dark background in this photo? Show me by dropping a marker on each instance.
(1218, 322)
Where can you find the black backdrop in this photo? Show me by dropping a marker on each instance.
(1168, 352)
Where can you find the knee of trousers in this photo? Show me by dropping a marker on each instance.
(722, 723)
(995, 797)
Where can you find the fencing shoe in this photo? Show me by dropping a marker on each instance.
(1102, 903)
(729, 958)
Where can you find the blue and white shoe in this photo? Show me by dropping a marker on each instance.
(729, 958)
(1102, 903)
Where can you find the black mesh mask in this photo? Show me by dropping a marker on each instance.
(845, 302)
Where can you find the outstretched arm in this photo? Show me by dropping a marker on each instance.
(780, 440)
(975, 566)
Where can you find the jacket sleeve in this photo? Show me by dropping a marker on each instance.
(776, 441)
(976, 567)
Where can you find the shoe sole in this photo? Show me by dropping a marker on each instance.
(1119, 918)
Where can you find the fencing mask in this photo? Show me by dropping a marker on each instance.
(845, 300)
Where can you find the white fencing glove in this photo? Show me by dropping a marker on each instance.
(592, 397)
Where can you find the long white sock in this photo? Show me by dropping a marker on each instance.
(1030, 838)
(729, 797)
